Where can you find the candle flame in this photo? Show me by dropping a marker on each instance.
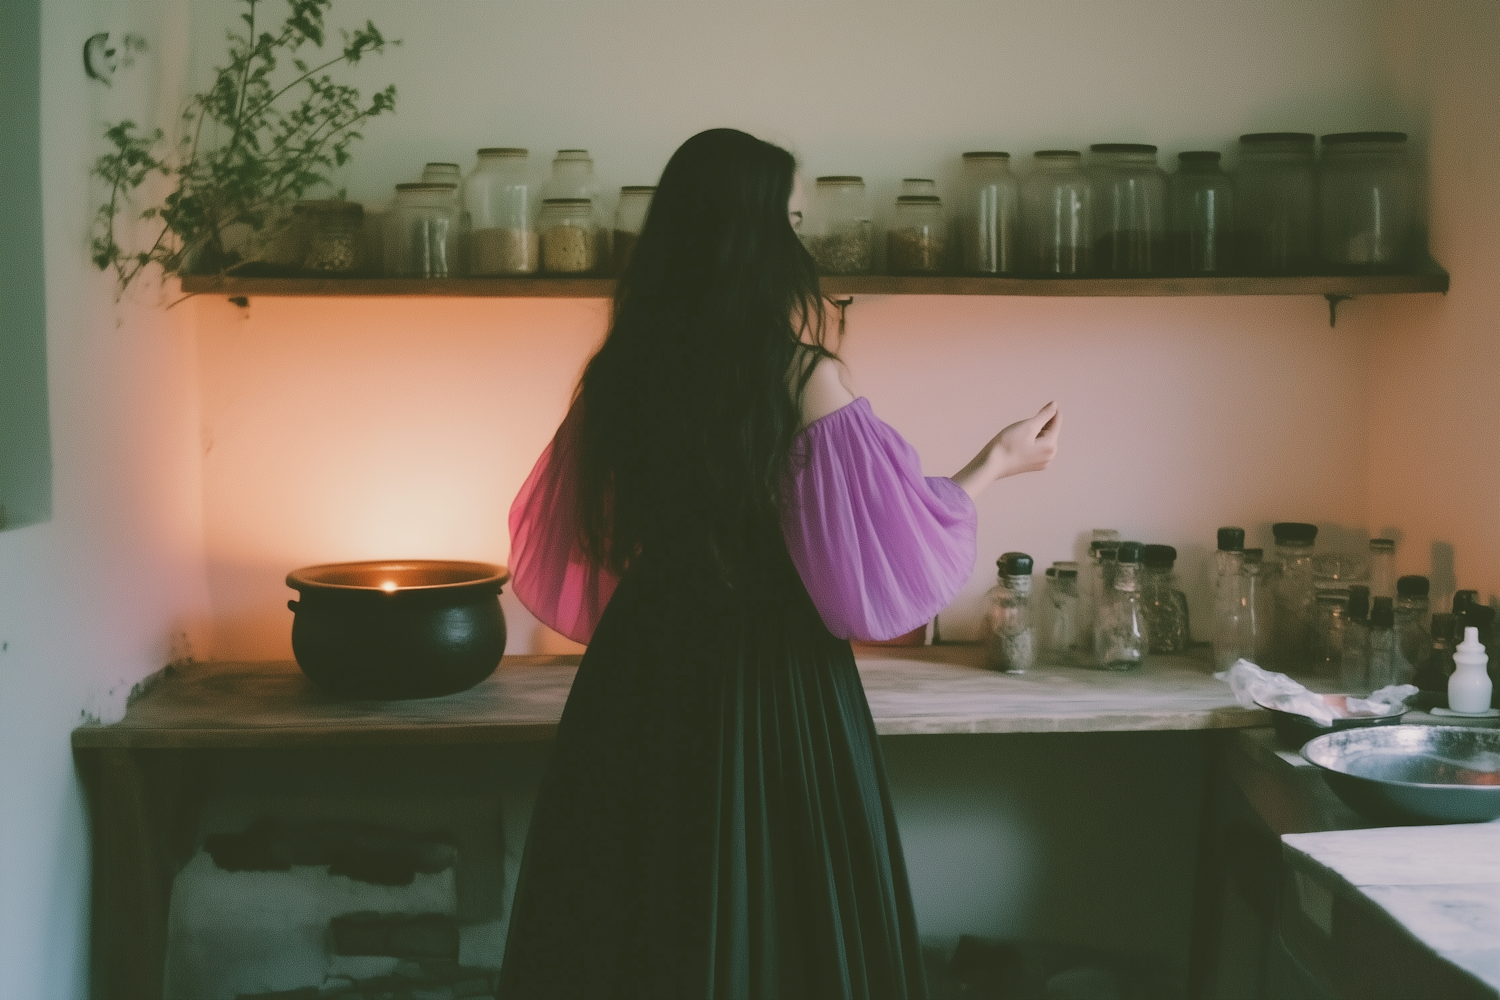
(389, 586)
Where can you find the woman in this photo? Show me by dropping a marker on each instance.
(717, 517)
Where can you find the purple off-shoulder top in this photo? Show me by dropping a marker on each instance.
(880, 547)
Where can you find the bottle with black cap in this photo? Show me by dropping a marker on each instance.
(1166, 606)
(1008, 638)
(1354, 664)
(1294, 593)
(1385, 659)
(1260, 599)
(1094, 587)
(1121, 633)
(1063, 644)
(1433, 675)
(1413, 620)
(1231, 608)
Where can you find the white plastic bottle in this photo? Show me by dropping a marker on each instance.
(1469, 688)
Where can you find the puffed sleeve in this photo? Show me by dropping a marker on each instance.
(549, 573)
(880, 548)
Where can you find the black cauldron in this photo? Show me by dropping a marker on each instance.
(403, 629)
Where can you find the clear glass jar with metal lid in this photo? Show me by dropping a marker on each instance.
(422, 232)
(915, 242)
(1129, 194)
(500, 200)
(1275, 194)
(1367, 219)
(1200, 214)
(630, 219)
(988, 214)
(839, 233)
(570, 243)
(1056, 221)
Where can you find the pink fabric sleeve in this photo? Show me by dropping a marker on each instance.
(548, 570)
(880, 548)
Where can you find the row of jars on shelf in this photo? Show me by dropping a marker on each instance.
(1284, 212)
(1342, 616)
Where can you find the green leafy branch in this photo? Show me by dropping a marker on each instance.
(248, 149)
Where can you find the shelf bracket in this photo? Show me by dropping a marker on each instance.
(1333, 306)
(843, 304)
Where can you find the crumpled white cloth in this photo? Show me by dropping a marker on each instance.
(1251, 684)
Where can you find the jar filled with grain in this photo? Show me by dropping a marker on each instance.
(630, 219)
(334, 231)
(840, 234)
(988, 214)
(1056, 217)
(570, 243)
(422, 232)
(500, 201)
(915, 242)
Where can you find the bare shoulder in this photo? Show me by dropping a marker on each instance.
(827, 387)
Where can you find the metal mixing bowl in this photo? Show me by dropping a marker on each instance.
(1413, 774)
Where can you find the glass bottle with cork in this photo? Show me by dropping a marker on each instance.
(1121, 632)
(1009, 641)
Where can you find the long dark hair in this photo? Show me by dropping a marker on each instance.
(688, 414)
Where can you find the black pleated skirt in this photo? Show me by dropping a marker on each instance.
(715, 821)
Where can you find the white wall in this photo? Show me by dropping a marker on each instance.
(1434, 401)
(112, 587)
(1179, 415)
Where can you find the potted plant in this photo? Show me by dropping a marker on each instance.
(260, 137)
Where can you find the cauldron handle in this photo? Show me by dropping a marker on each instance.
(292, 606)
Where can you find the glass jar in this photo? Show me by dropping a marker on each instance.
(1294, 593)
(334, 236)
(1166, 606)
(442, 173)
(1129, 193)
(1260, 599)
(1385, 665)
(570, 236)
(1008, 638)
(1437, 666)
(1332, 570)
(500, 201)
(1413, 620)
(839, 234)
(1121, 633)
(573, 177)
(1201, 215)
(422, 232)
(1063, 641)
(1231, 603)
(630, 219)
(1383, 567)
(915, 242)
(988, 214)
(1275, 192)
(1354, 659)
(1367, 216)
(1100, 577)
(1056, 223)
(1329, 617)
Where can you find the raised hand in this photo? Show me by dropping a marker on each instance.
(1025, 446)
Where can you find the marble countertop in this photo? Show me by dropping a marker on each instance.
(1441, 884)
(912, 691)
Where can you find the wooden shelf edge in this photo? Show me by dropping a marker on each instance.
(1433, 279)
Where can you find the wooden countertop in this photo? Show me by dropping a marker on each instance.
(922, 690)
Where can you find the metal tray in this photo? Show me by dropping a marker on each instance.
(1413, 774)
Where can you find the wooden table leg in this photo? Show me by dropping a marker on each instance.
(136, 798)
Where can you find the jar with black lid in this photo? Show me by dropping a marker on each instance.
(988, 214)
(1200, 213)
(1129, 194)
(1276, 192)
(1056, 223)
(1366, 210)
(915, 242)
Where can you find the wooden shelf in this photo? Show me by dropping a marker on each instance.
(1343, 286)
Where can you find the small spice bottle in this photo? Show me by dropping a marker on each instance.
(1121, 631)
(1438, 665)
(1413, 620)
(1063, 645)
(1385, 660)
(1166, 606)
(915, 243)
(570, 242)
(1009, 641)
(988, 214)
(1331, 616)
(630, 219)
(1354, 663)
